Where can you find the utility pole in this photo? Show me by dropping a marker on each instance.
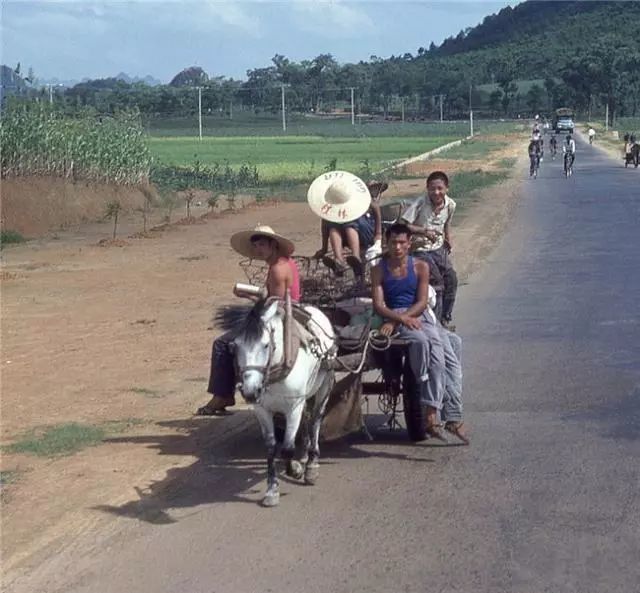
(231, 109)
(284, 119)
(606, 116)
(402, 107)
(470, 114)
(200, 112)
(441, 118)
(50, 93)
(353, 110)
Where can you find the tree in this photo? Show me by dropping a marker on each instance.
(534, 98)
(192, 76)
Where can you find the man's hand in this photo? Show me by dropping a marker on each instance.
(411, 322)
(388, 328)
(431, 234)
(447, 245)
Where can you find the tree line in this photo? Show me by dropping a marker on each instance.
(584, 54)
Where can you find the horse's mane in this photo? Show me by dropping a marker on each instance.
(244, 319)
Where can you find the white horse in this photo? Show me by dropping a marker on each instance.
(300, 393)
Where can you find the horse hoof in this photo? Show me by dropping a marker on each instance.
(271, 500)
(311, 475)
(295, 469)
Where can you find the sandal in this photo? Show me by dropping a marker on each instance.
(338, 268)
(433, 430)
(456, 429)
(216, 407)
(356, 264)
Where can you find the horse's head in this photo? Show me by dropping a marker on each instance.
(256, 348)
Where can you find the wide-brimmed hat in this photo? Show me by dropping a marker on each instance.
(339, 196)
(377, 187)
(241, 241)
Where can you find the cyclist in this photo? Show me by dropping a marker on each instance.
(569, 152)
(592, 135)
(553, 145)
(535, 153)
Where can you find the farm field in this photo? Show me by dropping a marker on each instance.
(249, 124)
(292, 157)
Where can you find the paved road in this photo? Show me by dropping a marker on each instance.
(546, 499)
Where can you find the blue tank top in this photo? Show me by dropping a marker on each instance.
(399, 292)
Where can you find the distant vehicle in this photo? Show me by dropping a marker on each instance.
(563, 120)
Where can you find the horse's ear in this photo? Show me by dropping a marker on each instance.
(270, 311)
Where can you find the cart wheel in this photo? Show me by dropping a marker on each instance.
(414, 412)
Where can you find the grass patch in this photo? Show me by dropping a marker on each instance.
(68, 438)
(146, 392)
(55, 441)
(472, 150)
(8, 237)
(8, 477)
(466, 184)
(508, 163)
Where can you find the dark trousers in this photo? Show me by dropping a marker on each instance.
(222, 376)
(443, 278)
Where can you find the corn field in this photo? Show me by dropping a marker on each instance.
(38, 140)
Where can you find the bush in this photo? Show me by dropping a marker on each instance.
(11, 237)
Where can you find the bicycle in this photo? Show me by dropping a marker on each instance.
(534, 165)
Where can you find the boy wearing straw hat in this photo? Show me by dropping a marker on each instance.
(260, 243)
(350, 214)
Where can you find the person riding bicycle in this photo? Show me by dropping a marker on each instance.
(569, 148)
(553, 145)
(592, 134)
(535, 154)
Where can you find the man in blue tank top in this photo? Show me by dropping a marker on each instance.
(400, 285)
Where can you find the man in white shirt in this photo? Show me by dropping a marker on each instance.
(592, 135)
(429, 219)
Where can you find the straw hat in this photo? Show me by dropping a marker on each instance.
(376, 188)
(339, 196)
(241, 242)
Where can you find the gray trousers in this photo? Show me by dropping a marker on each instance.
(426, 359)
(452, 401)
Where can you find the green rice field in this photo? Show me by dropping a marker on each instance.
(292, 157)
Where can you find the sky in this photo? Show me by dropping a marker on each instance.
(76, 39)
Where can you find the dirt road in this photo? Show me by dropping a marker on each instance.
(123, 334)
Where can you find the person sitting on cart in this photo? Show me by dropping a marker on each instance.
(282, 275)
(362, 233)
(400, 296)
(429, 219)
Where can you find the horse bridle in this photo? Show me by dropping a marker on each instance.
(267, 369)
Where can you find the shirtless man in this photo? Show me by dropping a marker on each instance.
(260, 243)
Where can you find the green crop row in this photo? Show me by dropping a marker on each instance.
(39, 140)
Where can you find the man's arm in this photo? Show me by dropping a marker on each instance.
(447, 227)
(377, 217)
(280, 278)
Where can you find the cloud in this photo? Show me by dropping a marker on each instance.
(332, 18)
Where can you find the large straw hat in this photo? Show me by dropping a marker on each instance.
(241, 242)
(339, 196)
